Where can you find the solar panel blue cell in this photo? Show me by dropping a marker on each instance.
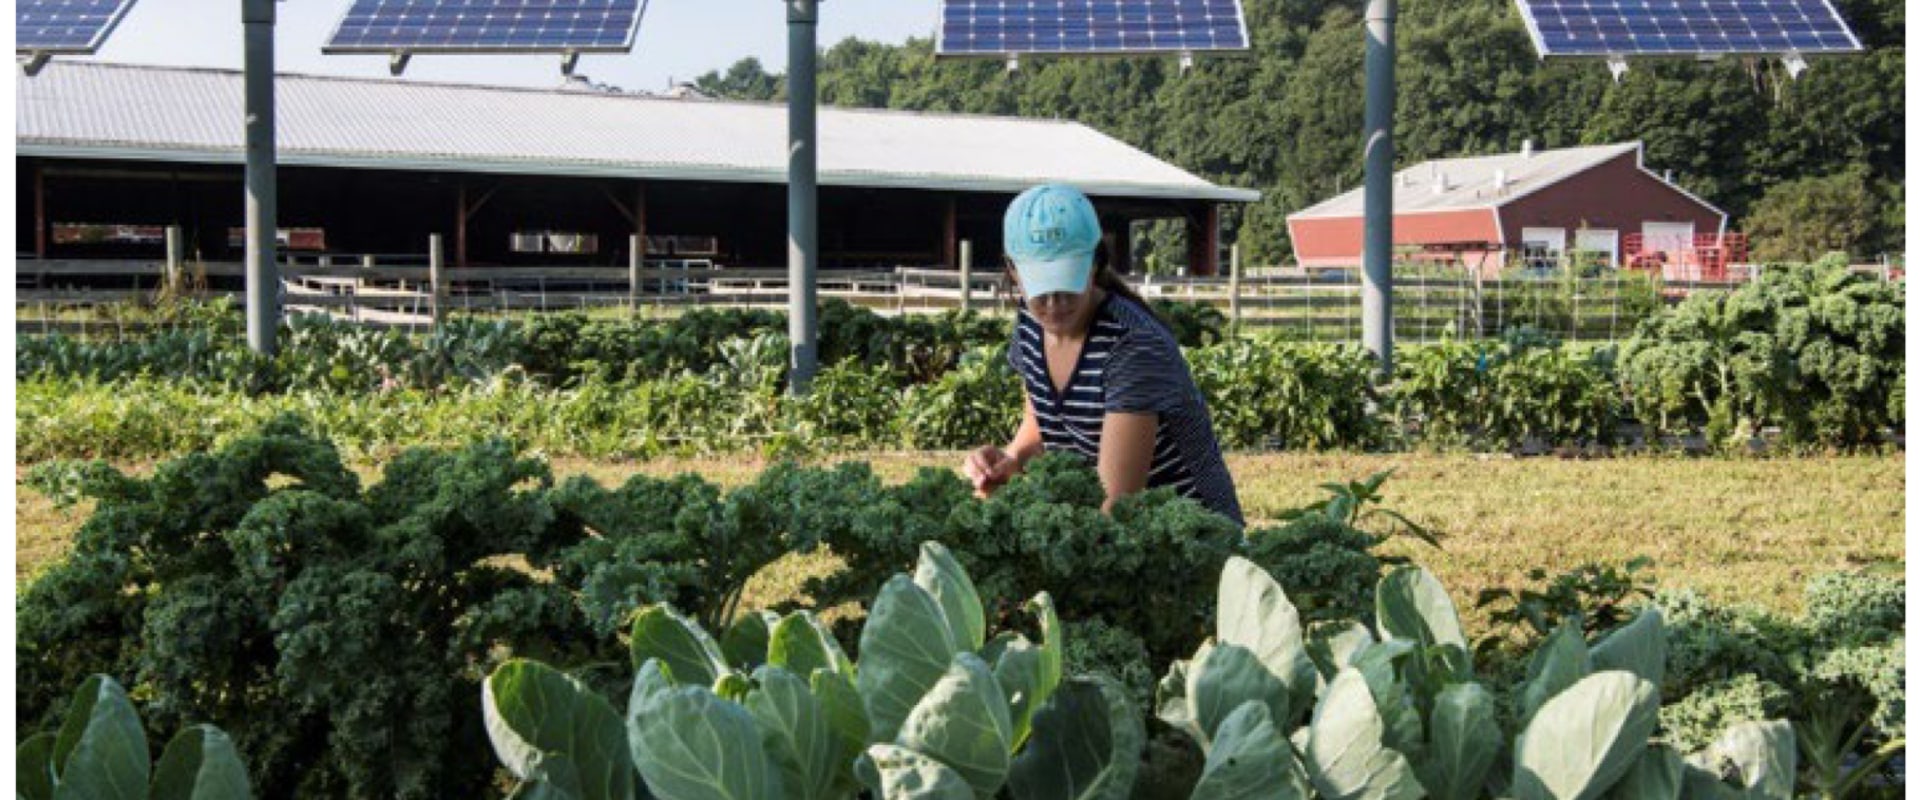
(65, 26)
(1002, 27)
(483, 25)
(1685, 27)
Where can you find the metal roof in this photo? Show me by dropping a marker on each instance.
(1469, 182)
(112, 111)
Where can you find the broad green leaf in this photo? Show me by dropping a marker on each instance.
(1463, 743)
(691, 745)
(905, 648)
(1640, 647)
(1700, 783)
(1170, 701)
(1256, 614)
(1251, 761)
(942, 577)
(1763, 753)
(797, 735)
(34, 761)
(1224, 676)
(200, 763)
(1346, 755)
(548, 728)
(733, 687)
(1016, 666)
(962, 721)
(1380, 664)
(800, 643)
(101, 753)
(906, 775)
(689, 654)
(1086, 745)
(1410, 603)
(1333, 649)
(1657, 775)
(840, 702)
(1585, 738)
(745, 643)
(1053, 645)
(1560, 662)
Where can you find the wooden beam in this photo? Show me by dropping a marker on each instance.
(39, 211)
(640, 217)
(460, 226)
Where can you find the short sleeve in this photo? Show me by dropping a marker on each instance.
(1144, 376)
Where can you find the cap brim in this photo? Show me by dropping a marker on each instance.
(1066, 274)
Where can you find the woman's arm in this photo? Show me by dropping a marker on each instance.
(1126, 453)
(1026, 441)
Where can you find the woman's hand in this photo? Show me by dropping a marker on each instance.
(988, 468)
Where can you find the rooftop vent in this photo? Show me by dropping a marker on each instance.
(1526, 148)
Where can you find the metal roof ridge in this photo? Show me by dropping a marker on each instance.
(566, 92)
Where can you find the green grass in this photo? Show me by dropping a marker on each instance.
(1738, 530)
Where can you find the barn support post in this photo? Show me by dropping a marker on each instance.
(636, 254)
(950, 234)
(176, 262)
(436, 273)
(1203, 241)
(460, 226)
(1376, 294)
(803, 200)
(966, 275)
(263, 269)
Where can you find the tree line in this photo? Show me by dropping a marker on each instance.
(1805, 165)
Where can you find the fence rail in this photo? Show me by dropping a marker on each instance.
(364, 289)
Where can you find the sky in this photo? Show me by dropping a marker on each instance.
(678, 40)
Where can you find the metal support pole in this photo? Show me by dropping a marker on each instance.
(263, 271)
(1233, 287)
(1376, 297)
(803, 211)
(966, 274)
(436, 261)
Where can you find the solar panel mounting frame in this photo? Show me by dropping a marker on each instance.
(400, 51)
(1014, 55)
(1618, 56)
(92, 46)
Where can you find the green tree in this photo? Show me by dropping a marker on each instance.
(745, 80)
(1804, 219)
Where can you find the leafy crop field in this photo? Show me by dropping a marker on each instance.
(1722, 526)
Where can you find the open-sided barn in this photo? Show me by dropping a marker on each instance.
(108, 153)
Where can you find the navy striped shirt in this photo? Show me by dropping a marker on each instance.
(1129, 364)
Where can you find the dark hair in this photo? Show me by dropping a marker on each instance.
(1110, 280)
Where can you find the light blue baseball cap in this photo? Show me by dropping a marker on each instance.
(1050, 233)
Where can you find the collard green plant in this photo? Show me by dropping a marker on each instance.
(100, 753)
(934, 708)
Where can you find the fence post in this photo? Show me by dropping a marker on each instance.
(175, 267)
(1233, 287)
(635, 256)
(436, 258)
(966, 275)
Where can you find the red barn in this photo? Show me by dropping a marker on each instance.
(1534, 205)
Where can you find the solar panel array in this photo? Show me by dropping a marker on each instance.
(470, 26)
(64, 26)
(1685, 27)
(1011, 27)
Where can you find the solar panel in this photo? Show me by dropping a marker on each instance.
(1013, 27)
(64, 26)
(1686, 27)
(487, 26)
